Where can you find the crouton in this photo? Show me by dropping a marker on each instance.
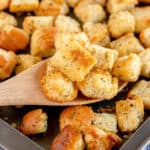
(127, 44)
(99, 84)
(4, 4)
(42, 42)
(57, 86)
(120, 23)
(9, 37)
(145, 37)
(97, 33)
(84, 11)
(7, 63)
(34, 122)
(142, 90)
(106, 122)
(72, 3)
(142, 18)
(117, 5)
(68, 139)
(127, 68)
(52, 8)
(25, 61)
(23, 5)
(130, 113)
(67, 24)
(32, 23)
(77, 116)
(105, 57)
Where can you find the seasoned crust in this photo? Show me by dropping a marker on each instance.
(77, 116)
(57, 86)
(7, 63)
(142, 90)
(42, 42)
(23, 5)
(120, 23)
(97, 139)
(34, 122)
(4, 4)
(32, 23)
(130, 113)
(127, 44)
(127, 68)
(10, 36)
(68, 139)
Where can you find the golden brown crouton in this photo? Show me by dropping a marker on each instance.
(84, 11)
(99, 84)
(67, 24)
(77, 116)
(57, 86)
(52, 8)
(25, 61)
(127, 44)
(68, 139)
(145, 59)
(34, 122)
(118, 5)
(145, 37)
(42, 42)
(120, 23)
(23, 5)
(105, 57)
(74, 61)
(12, 38)
(7, 19)
(130, 113)
(7, 63)
(4, 4)
(97, 33)
(142, 17)
(106, 122)
(96, 139)
(32, 23)
(142, 89)
(72, 3)
(127, 68)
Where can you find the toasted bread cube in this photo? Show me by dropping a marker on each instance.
(67, 24)
(42, 42)
(57, 86)
(105, 56)
(106, 122)
(142, 18)
(23, 5)
(142, 90)
(99, 84)
(25, 61)
(77, 116)
(4, 4)
(34, 122)
(97, 33)
(127, 68)
(97, 139)
(145, 59)
(118, 5)
(7, 63)
(127, 44)
(145, 37)
(130, 113)
(120, 23)
(68, 139)
(32, 23)
(13, 38)
(89, 11)
(72, 3)
(52, 8)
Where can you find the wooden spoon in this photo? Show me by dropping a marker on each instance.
(25, 89)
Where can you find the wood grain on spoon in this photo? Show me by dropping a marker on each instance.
(25, 89)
